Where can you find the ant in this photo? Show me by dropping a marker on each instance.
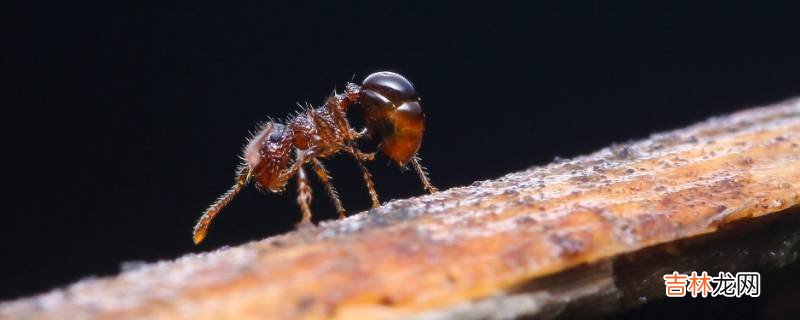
(392, 114)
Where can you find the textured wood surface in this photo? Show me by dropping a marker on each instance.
(415, 256)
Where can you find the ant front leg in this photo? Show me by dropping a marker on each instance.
(303, 194)
(326, 178)
(423, 175)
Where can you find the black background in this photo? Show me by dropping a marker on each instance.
(122, 122)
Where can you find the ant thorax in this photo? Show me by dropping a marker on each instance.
(316, 131)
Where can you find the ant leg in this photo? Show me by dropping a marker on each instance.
(373, 195)
(303, 195)
(423, 175)
(201, 228)
(358, 135)
(326, 178)
(365, 156)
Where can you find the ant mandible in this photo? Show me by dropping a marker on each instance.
(392, 114)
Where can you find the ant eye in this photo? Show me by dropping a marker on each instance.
(392, 86)
(277, 134)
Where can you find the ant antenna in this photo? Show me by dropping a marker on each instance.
(201, 228)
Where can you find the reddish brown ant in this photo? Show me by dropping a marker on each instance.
(392, 114)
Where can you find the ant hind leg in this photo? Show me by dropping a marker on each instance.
(423, 175)
(373, 195)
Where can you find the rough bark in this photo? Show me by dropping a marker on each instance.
(540, 242)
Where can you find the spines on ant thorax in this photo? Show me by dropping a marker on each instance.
(318, 129)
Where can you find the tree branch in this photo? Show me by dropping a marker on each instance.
(531, 243)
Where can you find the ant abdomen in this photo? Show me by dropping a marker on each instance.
(392, 111)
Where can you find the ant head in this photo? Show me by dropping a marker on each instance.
(392, 111)
(267, 154)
